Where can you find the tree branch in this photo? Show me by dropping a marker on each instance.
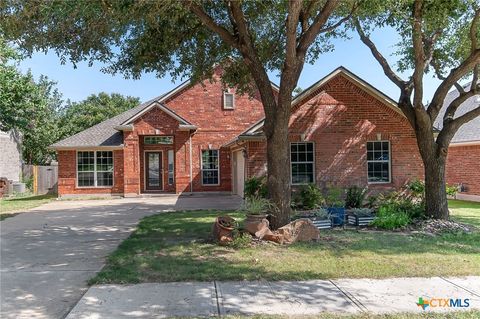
(467, 117)
(452, 108)
(211, 24)
(457, 73)
(418, 54)
(309, 36)
(379, 57)
(341, 21)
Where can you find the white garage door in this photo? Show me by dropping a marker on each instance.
(238, 173)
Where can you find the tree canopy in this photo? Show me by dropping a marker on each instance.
(78, 116)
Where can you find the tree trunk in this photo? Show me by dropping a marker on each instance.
(436, 204)
(278, 163)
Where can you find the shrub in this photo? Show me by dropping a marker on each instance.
(399, 202)
(355, 197)
(452, 190)
(417, 188)
(256, 187)
(389, 217)
(372, 201)
(257, 205)
(240, 240)
(334, 197)
(310, 196)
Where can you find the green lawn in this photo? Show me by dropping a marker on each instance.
(175, 247)
(9, 206)
(465, 212)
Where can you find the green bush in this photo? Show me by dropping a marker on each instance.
(390, 217)
(452, 190)
(310, 196)
(256, 187)
(240, 240)
(334, 197)
(372, 201)
(355, 197)
(399, 202)
(257, 206)
(417, 188)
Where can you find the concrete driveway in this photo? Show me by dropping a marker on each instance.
(49, 253)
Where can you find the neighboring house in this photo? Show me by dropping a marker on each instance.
(463, 159)
(200, 138)
(10, 155)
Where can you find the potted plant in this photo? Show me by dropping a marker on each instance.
(360, 216)
(335, 205)
(256, 210)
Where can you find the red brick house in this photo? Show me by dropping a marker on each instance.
(200, 138)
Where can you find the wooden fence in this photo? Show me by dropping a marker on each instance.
(45, 178)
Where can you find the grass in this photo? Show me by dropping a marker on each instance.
(474, 314)
(9, 206)
(465, 212)
(175, 247)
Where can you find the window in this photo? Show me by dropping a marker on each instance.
(228, 100)
(378, 161)
(210, 171)
(170, 167)
(302, 162)
(95, 168)
(152, 140)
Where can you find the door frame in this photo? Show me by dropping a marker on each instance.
(145, 169)
(238, 154)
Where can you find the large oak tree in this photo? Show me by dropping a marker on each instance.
(189, 38)
(440, 36)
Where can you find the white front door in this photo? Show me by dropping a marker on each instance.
(238, 173)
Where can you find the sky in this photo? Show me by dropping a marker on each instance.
(77, 84)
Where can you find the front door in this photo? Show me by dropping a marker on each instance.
(153, 171)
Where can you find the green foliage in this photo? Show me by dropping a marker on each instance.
(256, 187)
(240, 240)
(401, 203)
(78, 116)
(372, 201)
(417, 188)
(257, 206)
(389, 217)
(334, 197)
(28, 108)
(320, 212)
(452, 190)
(355, 196)
(161, 37)
(310, 196)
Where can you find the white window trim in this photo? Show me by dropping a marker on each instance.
(312, 162)
(95, 168)
(227, 91)
(218, 169)
(382, 161)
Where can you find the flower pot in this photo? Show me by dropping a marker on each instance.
(221, 232)
(337, 214)
(254, 223)
(321, 223)
(354, 219)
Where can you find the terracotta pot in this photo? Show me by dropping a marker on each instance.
(222, 233)
(254, 223)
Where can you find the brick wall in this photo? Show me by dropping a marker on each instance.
(340, 118)
(463, 167)
(202, 105)
(67, 174)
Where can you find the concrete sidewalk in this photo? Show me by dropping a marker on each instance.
(210, 299)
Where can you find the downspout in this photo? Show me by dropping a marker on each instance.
(191, 168)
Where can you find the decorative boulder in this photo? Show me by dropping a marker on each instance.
(299, 230)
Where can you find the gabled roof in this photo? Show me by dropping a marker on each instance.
(469, 133)
(107, 134)
(255, 131)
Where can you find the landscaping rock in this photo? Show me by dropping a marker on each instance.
(299, 230)
(436, 226)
